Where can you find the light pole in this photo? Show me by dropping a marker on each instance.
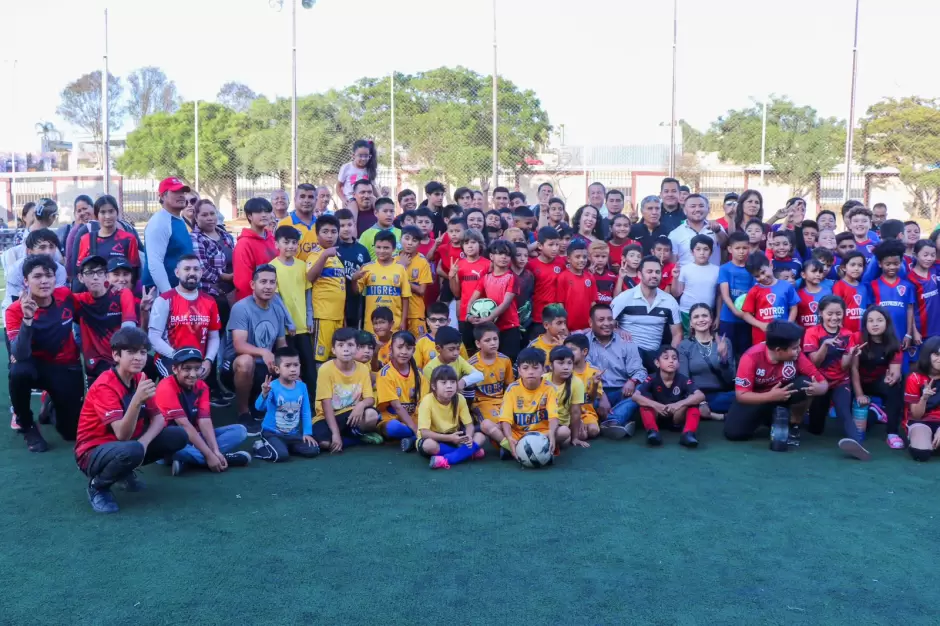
(495, 173)
(105, 122)
(763, 144)
(391, 152)
(293, 95)
(850, 131)
(672, 124)
(196, 125)
(12, 210)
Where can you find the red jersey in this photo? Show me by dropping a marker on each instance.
(605, 286)
(853, 304)
(469, 274)
(189, 322)
(99, 319)
(831, 367)
(577, 293)
(616, 251)
(756, 373)
(53, 341)
(546, 285)
(767, 304)
(176, 403)
(807, 307)
(119, 244)
(447, 254)
(105, 403)
(914, 389)
(668, 276)
(495, 288)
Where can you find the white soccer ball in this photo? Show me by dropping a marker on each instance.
(532, 451)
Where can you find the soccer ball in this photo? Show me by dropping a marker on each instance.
(533, 451)
(739, 301)
(481, 308)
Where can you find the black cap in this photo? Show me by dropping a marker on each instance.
(119, 263)
(99, 260)
(730, 196)
(184, 355)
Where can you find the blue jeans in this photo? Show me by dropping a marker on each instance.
(719, 401)
(228, 438)
(622, 410)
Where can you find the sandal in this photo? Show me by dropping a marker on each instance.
(895, 442)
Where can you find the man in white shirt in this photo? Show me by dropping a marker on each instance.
(696, 210)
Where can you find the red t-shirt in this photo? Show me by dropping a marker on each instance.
(53, 341)
(99, 319)
(914, 389)
(495, 288)
(119, 244)
(469, 274)
(189, 321)
(831, 367)
(756, 373)
(105, 403)
(605, 286)
(546, 285)
(616, 251)
(176, 403)
(853, 305)
(668, 276)
(577, 293)
(807, 308)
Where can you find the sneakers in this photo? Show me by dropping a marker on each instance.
(612, 430)
(479, 454)
(34, 439)
(228, 395)
(218, 401)
(177, 467)
(373, 439)
(14, 425)
(133, 483)
(854, 448)
(237, 459)
(630, 428)
(505, 455)
(895, 442)
(252, 425)
(438, 462)
(794, 437)
(653, 438)
(101, 500)
(408, 444)
(688, 439)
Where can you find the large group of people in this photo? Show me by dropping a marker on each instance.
(330, 329)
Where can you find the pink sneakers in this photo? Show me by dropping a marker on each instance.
(439, 462)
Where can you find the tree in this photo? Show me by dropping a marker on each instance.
(151, 92)
(236, 96)
(48, 133)
(163, 146)
(81, 107)
(801, 145)
(693, 140)
(905, 134)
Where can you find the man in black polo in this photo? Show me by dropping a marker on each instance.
(672, 214)
(648, 229)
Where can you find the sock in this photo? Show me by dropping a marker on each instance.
(649, 418)
(396, 430)
(692, 417)
(505, 444)
(459, 454)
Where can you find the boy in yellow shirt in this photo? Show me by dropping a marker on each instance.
(497, 374)
(384, 283)
(555, 321)
(530, 404)
(448, 342)
(590, 377)
(327, 277)
(382, 320)
(419, 275)
(294, 289)
(438, 317)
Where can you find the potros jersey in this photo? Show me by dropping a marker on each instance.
(757, 373)
(895, 296)
(807, 308)
(769, 303)
(854, 299)
(926, 304)
(831, 367)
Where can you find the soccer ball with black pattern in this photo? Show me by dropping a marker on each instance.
(533, 452)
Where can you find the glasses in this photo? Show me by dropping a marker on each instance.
(94, 273)
(438, 320)
(192, 201)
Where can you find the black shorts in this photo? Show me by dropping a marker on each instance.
(228, 377)
(321, 430)
(743, 420)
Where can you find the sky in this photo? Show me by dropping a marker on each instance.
(601, 68)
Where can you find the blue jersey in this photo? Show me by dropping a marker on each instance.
(789, 263)
(926, 304)
(286, 411)
(895, 297)
(739, 282)
(867, 248)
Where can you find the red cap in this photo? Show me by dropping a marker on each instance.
(172, 184)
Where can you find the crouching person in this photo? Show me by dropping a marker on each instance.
(120, 427)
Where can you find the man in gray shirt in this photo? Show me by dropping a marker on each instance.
(621, 371)
(255, 328)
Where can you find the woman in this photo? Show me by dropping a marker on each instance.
(214, 247)
(586, 224)
(750, 206)
(83, 213)
(708, 360)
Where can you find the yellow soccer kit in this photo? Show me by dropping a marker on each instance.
(426, 351)
(440, 418)
(529, 410)
(308, 235)
(566, 400)
(391, 385)
(292, 285)
(541, 343)
(461, 366)
(383, 352)
(592, 391)
(419, 273)
(496, 377)
(329, 302)
(384, 285)
(344, 390)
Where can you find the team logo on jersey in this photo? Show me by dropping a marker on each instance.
(395, 279)
(557, 269)
(320, 351)
(813, 306)
(771, 298)
(869, 247)
(117, 249)
(114, 307)
(414, 274)
(858, 298)
(675, 391)
(902, 290)
(788, 371)
(587, 283)
(360, 259)
(742, 382)
(520, 404)
(66, 315)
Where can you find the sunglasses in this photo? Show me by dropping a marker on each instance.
(192, 201)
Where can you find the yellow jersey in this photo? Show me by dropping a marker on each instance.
(441, 418)
(292, 285)
(383, 352)
(461, 366)
(496, 377)
(384, 285)
(426, 351)
(391, 385)
(529, 410)
(345, 390)
(567, 400)
(592, 391)
(542, 344)
(308, 235)
(329, 289)
(419, 273)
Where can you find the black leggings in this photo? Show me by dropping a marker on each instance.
(65, 384)
(303, 344)
(743, 420)
(892, 398)
(112, 462)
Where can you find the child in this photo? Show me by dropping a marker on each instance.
(826, 220)
(546, 272)
(619, 238)
(876, 372)
(384, 217)
(286, 429)
(734, 281)
(353, 256)
(555, 329)
(768, 300)
(445, 429)
(629, 274)
(810, 294)
(594, 398)
(569, 391)
(926, 296)
(787, 275)
(923, 404)
(501, 285)
(858, 222)
(526, 279)
(448, 253)
(530, 404)
(754, 229)
(911, 237)
(398, 388)
(426, 349)
(365, 352)
(419, 276)
(849, 289)
(781, 246)
(496, 369)
(892, 292)
(384, 283)
(465, 276)
(827, 258)
(296, 292)
(698, 280)
(566, 236)
(827, 240)
(448, 343)
(831, 348)
(671, 397)
(327, 278)
(382, 321)
(555, 216)
(662, 250)
(604, 278)
(810, 233)
(109, 240)
(577, 288)
(845, 243)
(345, 407)
(363, 166)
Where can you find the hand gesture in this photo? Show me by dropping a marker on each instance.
(782, 213)
(856, 350)
(722, 349)
(780, 392)
(146, 302)
(268, 359)
(730, 209)
(29, 306)
(329, 252)
(404, 259)
(928, 392)
(595, 380)
(145, 390)
(360, 274)
(892, 377)
(485, 186)
(453, 269)
(266, 386)
(624, 334)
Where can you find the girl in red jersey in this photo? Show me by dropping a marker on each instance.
(923, 402)
(876, 372)
(619, 238)
(465, 277)
(850, 289)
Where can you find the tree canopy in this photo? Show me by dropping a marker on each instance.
(236, 96)
(81, 106)
(150, 92)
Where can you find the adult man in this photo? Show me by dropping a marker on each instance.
(516, 199)
(621, 371)
(544, 194)
(645, 310)
(648, 229)
(672, 214)
(281, 203)
(407, 200)
(362, 205)
(186, 317)
(302, 218)
(464, 197)
(696, 210)
(255, 246)
(324, 198)
(255, 329)
(45, 354)
(879, 213)
(435, 195)
(167, 236)
(614, 203)
(500, 198)
(596, 193)
(183, 399)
